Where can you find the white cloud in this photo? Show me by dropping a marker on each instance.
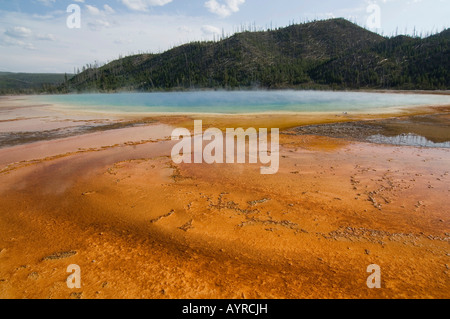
(224, 10)
(98, 24)
(20, 37)
(93, 10)
(101, 17)
(96, 11)
(18, 32)
(52, 47)
(209, 30)
(234, 4)
(108, 9)
(8, 41)
(46, 37)
(143, 5)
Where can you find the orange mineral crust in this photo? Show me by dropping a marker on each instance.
(140, 226)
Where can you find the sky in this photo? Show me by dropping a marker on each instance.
(58, 36)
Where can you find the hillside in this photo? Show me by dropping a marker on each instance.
(330, 54)
(399, 62)
(29, 82)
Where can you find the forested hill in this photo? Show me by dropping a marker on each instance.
(24, 83)
(334, 54)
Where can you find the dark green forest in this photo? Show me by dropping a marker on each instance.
(30, 83)
(331, 54)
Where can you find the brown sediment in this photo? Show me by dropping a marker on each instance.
(20, 155)
(434, 127)
(285, 121)
(312, 142)
(13, 138)
(140, 226)
(17, 165)
(225, 231)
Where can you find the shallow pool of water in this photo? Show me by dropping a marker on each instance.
(407, 140)
(239, 102)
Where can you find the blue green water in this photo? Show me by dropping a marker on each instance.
(236, 102)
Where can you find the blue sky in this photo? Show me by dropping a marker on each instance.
(35, 37)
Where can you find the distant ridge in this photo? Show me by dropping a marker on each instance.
(24, 83)
(328, 54)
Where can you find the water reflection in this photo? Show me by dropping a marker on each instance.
(407, 140)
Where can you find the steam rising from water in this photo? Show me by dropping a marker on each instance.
(238, 102)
